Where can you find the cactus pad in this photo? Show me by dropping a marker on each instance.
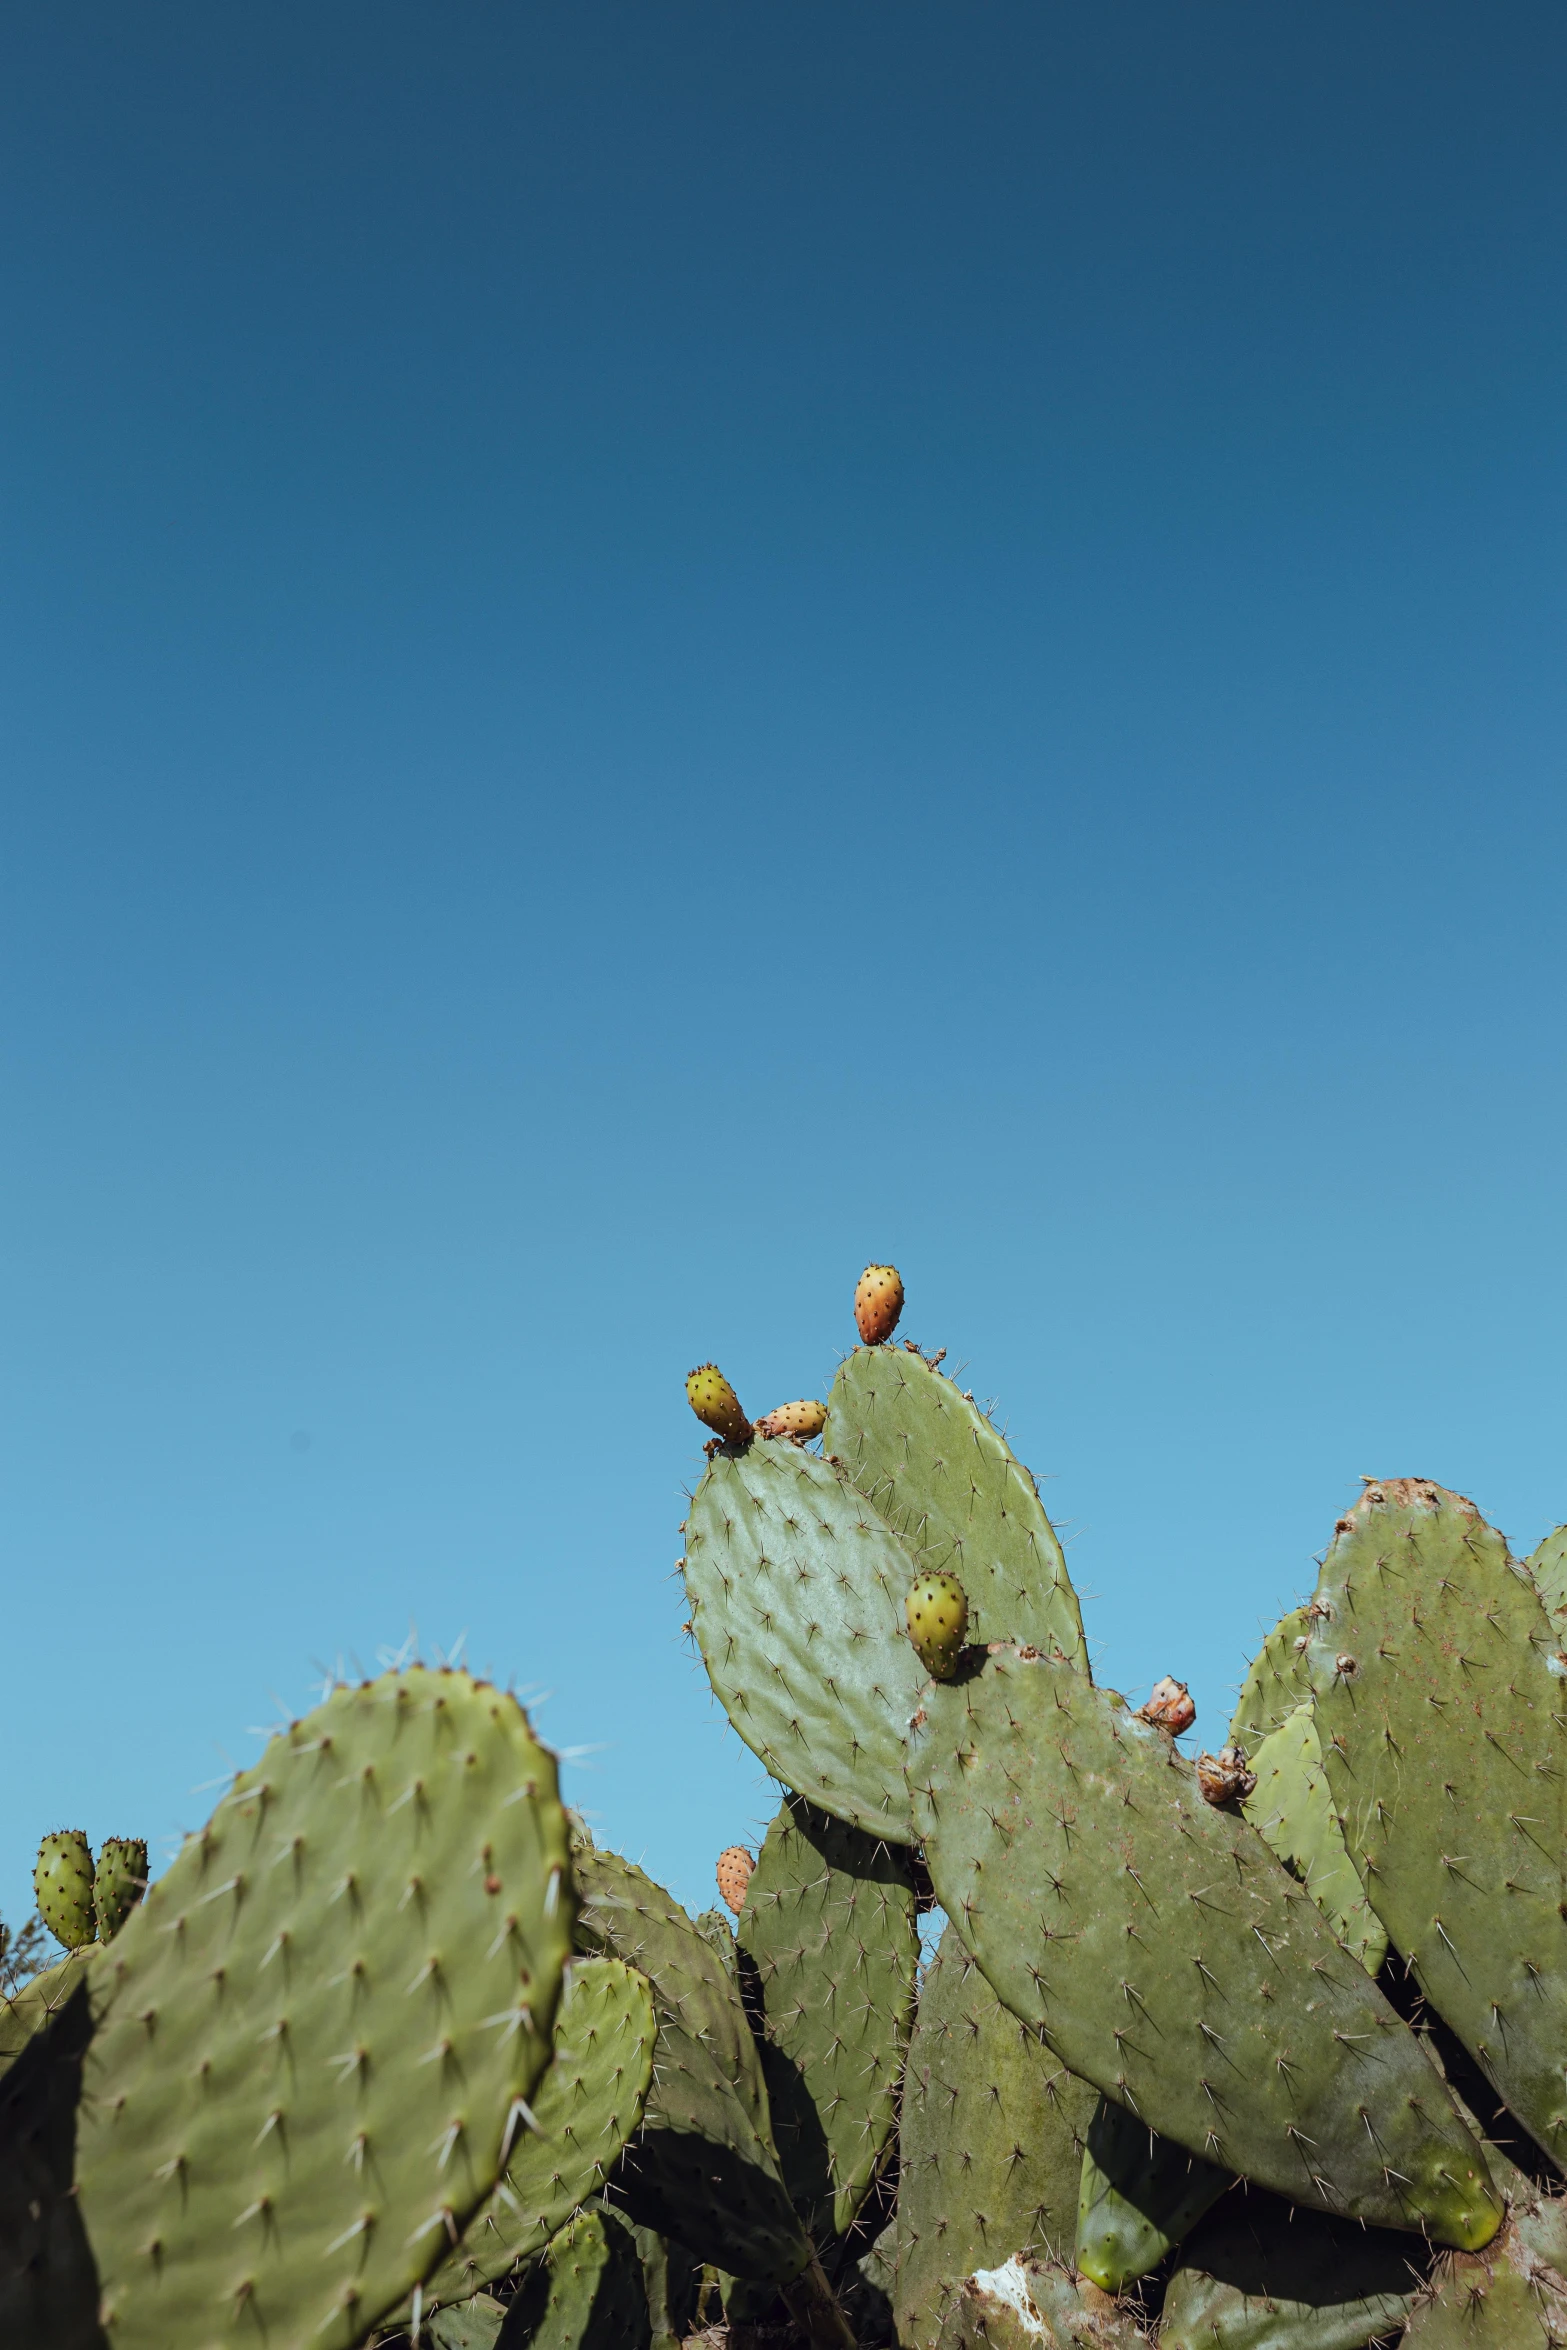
(702, 2168)
(829, 1924)
(1507, 2298)
(1170, 1959)
(1548, 1566)
(796, 1589)
(1291, 1807)
(310, 2037)
(1279, 1680)
(1139, 2196)
(1037, 2305)
(587, 2293)
(62, 1884)
(1442, 1710)
(945, 1481)
(1263, 2275)
(119, 1881)
(990, 2144)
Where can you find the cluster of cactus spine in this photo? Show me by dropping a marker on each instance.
(1264, 2049)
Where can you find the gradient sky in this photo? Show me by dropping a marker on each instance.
(650, 651)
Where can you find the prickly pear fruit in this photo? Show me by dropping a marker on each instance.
(1170, 1706)
(716, 1404)
(734, 1875)
(801, 1420)
(119, 1882)
(62, 1882)
(937, 1611)
(878, 1301)
(1223, 1777)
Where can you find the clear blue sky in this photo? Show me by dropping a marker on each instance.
(650, 651)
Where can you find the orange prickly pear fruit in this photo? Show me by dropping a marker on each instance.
(937, 1612)
(878, 1301)
(716, 1404)
(801, 1420)
(734, 1875)
(1170, 1706)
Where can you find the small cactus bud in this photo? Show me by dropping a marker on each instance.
(716, 1404)
(878, 1301)
(62, 1882)
(1223, 1777)
(119, 1882)
(800, 1420)
(734, 1875)
(937, 1612)
(1170, 1706)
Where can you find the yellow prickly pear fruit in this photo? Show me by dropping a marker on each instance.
(716, 1404)
(937, 1612)
(878, 1301)
(62, 1883)
(734, 1875)
(802, 1420)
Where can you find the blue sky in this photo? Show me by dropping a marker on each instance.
(650, 652)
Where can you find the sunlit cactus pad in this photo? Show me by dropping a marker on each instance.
(311, 2035)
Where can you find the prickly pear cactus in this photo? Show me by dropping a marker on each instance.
(28, 2010)
(945, 1481)
(990, 2144)
(1026, 2304)
(62, 1885)
(1548, 1567)
(796, 1589)
(1504, 2298)
(310, 2041)
(1264, 2275)
(829, 1923)
(1170, 1959)
(1291, 1807)
(1441, 1704)
(585, 2108)
(1139, 2196)
(119, 1881)
(703, 2167)
(1278, 1681)
(588, 2292)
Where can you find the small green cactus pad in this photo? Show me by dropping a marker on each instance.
(28, 2010)
(1264, 2275)
(1291, 1808)
(1170, 1959)
(1037, 2305)
(716, 1926)
(948, 1485)
(990, 2144)
(468, 2325)
(1548, 1567)
(702, 2168)
(669, 2280)
(119, 1881)
(1505, 2298)
(829, 1924)
(311, 2037)
(1279, 1680)
(796, 1589)
(587, 2293)
(1139, 2196)
(1441, 1704)
(587, 2105)
(62, 1883)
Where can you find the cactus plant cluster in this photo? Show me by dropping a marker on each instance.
(1259, 2049)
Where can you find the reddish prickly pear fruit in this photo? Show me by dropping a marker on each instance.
(716, 1404)
(1223, 1777)
(1170, 1706)
(937, 1612)
(734, 1875)
(62, 1882)
(878, 1301)
(800, 1420)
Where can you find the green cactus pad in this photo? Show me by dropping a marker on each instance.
(1138, 2197)
(829, 1923)
(119, 1881)
(1264, 2275)
(796, 1589)
(702, 2168)
(469, 2325)
(310, 2039)
(1442, 1709)
(717, 1927)
(1548, 1567)
(1170, 1959)
(1037, 2305)
(946, 1482)
(990, 2144)
(587, 2105)
(62, 1883)
(1291, 1808)
(587, 2293)
(1279, 1680)
(28, 2010)
(1505, 2299)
